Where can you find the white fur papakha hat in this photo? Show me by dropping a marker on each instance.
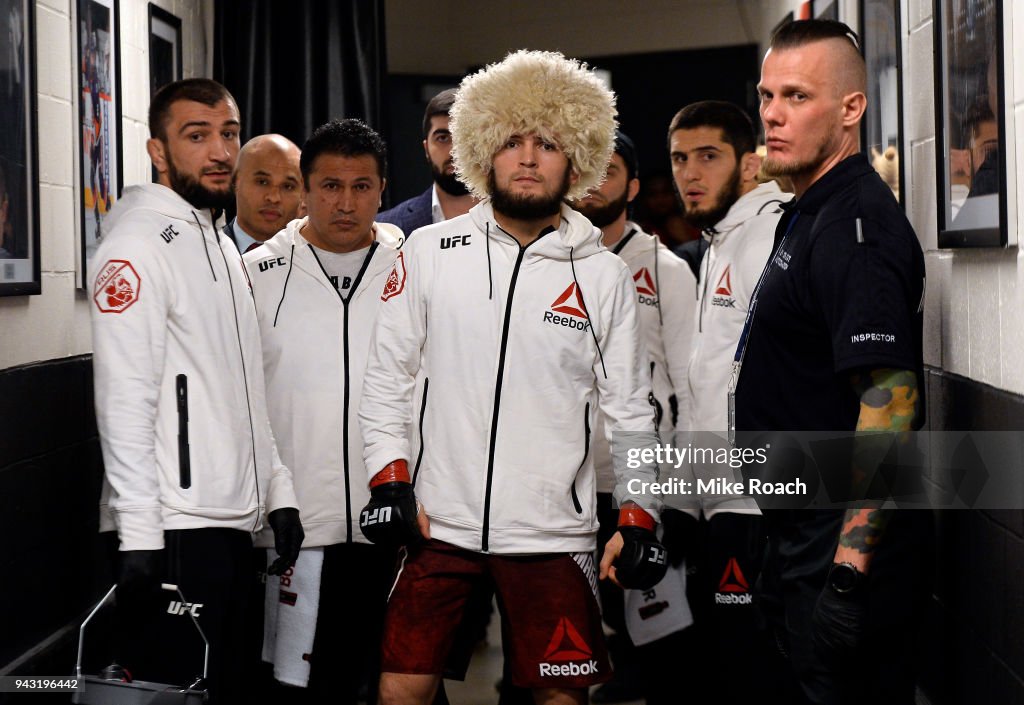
(538, 92)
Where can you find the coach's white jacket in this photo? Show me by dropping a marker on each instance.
(665, 292)
(315, 347)
(740, 246)
(177, 366)
(508, 339)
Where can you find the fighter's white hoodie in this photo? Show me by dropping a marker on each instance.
(665, 294)
(178, 371)
(315, 346)
(508, 339)
(740, 245)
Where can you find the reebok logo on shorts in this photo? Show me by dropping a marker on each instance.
(567, 646)
(733, 588)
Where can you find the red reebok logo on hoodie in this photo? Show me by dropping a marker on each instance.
(724, 285)
(564, 305)
(644, 283)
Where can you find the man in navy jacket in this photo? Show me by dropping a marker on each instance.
(447, 197)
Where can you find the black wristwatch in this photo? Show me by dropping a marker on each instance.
(846, 580)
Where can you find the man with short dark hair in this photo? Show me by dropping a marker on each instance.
(832, 345)
(192, 469)
(317, 287)
(447, 197)
(523, 326)
(711, 147)
(268, 190)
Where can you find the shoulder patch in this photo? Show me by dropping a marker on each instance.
(395, 284)
(117, 286)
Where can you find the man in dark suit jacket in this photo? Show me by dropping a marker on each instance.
(447, 197)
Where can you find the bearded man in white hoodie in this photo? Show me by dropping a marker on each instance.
(711, 146)
(524, 326)
(192, 470)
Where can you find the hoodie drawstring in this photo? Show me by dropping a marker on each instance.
(202, 234)
(284, 290)
(657, 285)
(487, 244)
(586, 310)
(706, 261)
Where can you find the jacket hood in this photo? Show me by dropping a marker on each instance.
(760, 200)
(155, 197)
(576, 234)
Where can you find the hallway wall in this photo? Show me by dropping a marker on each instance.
(50, 465)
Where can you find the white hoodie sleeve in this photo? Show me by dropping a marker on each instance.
(624, 396)
(678, 299)
(385, 413)
(129, 344)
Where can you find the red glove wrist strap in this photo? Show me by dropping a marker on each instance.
(395, 471)
(635, 516)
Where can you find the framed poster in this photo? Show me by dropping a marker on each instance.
(19, 180)
(99, 116)
(970, 124)
(882, 127)
(164, 48)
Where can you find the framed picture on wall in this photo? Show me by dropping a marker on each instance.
(970, 126)
(882, 126)
(164, 48)
(99, 119)
(19, 176)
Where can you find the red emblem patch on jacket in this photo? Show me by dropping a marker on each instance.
(117, 286)
(395, 284)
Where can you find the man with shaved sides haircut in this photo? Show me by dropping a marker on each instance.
(832, 345)
(268, 190)
(191, 467)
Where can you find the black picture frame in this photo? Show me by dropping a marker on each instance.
(882, 126)
(165, 63)
(969, 105)
(19, 154)
(98, 58)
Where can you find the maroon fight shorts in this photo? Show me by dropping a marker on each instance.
(550, 619)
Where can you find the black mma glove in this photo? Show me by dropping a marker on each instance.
(840, 614)
(288, 536)
(679, 535)
(390, 517)
(139, 575)
(642, 563)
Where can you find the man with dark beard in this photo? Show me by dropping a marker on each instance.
(447, 197)
(711, 146)
(665, 294)
(523, 326)
(192, 470)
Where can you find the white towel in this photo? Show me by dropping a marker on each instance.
(289, 616)
(654, 614)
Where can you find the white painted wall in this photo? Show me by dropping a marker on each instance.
(974, 318)
(55, 323)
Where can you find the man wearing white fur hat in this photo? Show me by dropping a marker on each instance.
(524, 326)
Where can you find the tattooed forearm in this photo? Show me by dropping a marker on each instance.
(888, 401)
